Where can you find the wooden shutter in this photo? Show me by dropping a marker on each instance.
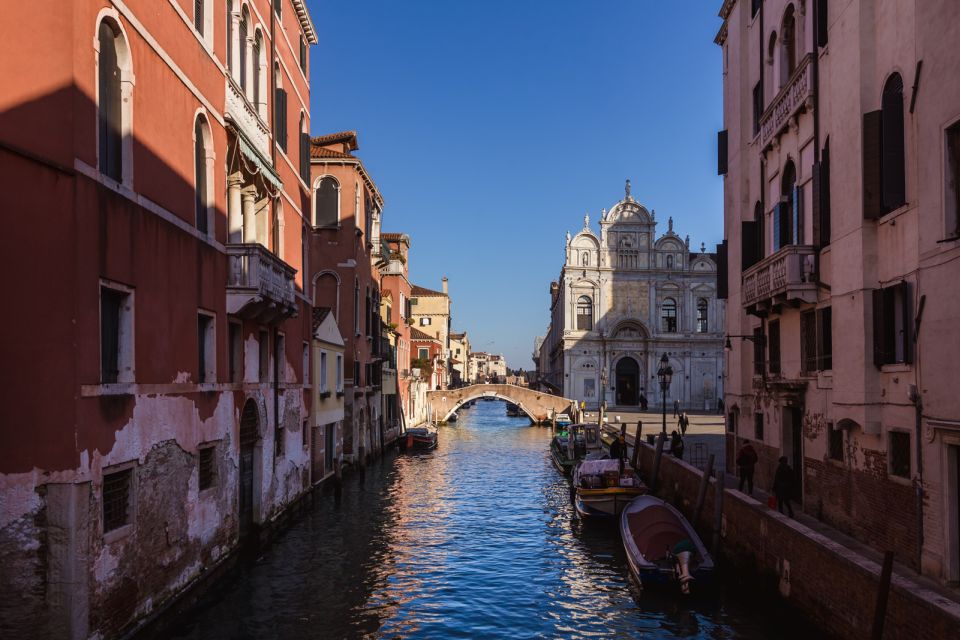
(817, 188)
(878, 328)
(777, 231)
(907, 318)
(748, 245)
(722, 153)
(797, 215)
(822, 23)
(825, 339)
(722, 280)
(872, 178)
(893, 187)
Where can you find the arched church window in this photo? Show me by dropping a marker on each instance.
(584, 313)
(702, 312)
(669, 261)
(668, 315)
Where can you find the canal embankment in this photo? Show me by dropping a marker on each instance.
(827, 576)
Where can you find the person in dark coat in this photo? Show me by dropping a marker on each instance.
(676, 445)
(643, 402)
(783, 486)
(683, 422)
(618, 450)
(746, 462)
(676, 408)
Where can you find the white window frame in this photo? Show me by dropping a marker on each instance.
(209, 375)
(323, 371)
(339, 373)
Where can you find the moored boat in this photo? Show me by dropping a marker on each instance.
(563, 420)
(419, 439)
(586, 442)
(601, 490)
(662, 547)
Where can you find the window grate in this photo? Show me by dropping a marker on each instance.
(207, 468)
(116, 499)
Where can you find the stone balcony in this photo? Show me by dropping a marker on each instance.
(786, 277)
(795, 95)
(260, 286)
(245, 116)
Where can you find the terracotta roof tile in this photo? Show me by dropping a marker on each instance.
(349, 137)
(319, 313)
(423, 291)
(323, 152)
(416, 334)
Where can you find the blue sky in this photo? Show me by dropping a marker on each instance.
(492, 126)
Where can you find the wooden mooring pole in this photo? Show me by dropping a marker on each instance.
(702, 494)
(636, 446)
(718, 513)
(661, 438)
(883, 590)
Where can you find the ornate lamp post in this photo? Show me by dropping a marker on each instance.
(665, 375)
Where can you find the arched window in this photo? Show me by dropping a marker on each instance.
(304, 149)
(203, 163)
(787, 220)
(242, 48)
(356, 306)
(326, 198)
(669, 261)
(230, 34)
(771, 81)
(279, 109)
(893, 193)
(255, 60)
(702, 324)
(109, 99)
(788, 45)
(668, 314)
(326, 292)
(584, 313)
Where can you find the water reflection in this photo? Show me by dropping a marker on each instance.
(475, 539)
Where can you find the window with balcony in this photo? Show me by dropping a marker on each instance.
(787, 214)
(668, 315)
(773, 341)
(584, 313)
(326, 198)
(892, 325)
(952, 173)
(702, 313)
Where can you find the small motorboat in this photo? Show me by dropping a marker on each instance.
(601, 490)
(586, 443)
(563, 420)
(662, 547)
(419, 439)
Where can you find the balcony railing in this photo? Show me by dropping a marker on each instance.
(787, 102)
(786, 276)
(260, 285)
(245, 116)
(393, 267)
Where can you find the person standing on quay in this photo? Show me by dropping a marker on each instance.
(783, 486)
(746, 461)
(676, 445)
(643, 401)
(676, 408)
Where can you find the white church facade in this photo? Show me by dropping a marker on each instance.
(624, 298)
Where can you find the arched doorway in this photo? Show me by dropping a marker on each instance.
(249, 432)
(628, 378)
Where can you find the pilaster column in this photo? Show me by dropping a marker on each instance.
(234, 211)
(249, 218)
(234, 45)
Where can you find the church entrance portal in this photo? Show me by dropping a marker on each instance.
(628, 379)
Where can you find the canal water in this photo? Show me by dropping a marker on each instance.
(476, 539)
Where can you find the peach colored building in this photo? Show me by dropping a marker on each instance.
(841, 156)
(154, 405)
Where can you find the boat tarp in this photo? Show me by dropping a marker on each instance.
(655, 530)
(598, 467)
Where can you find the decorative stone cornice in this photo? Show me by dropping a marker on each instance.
(305, 22)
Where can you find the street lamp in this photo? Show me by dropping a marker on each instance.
(665, 375)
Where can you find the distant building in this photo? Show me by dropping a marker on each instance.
(488, 367)
(427, 358)
(326, 384)
(459, 359)
(841, 157)
(430, 311)
(625, 298)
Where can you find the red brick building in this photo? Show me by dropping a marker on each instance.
(154, 174)
(343, 249)
(394, 278)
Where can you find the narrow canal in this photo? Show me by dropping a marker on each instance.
(474, 540)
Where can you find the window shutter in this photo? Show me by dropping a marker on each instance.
(822, 22)
(748, 245)
(878, 328)
(872, 178)
(817, 187)
(777, 231)
(722, 153)
(722, 280)
(907, 311)
(797, 215)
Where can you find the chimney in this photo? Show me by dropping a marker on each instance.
(444, 280)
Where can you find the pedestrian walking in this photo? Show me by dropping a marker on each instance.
(783, 486)
(643, 402)
(746, 461)
(683, 422)
(676, 445)
(676, 408)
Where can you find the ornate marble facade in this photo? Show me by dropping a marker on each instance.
(624, 298)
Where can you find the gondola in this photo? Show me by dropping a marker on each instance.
(419, 439)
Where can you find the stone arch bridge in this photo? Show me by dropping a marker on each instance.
(538, 405)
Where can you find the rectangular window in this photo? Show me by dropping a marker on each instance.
(279, 358)
(339, 373)
(808, 341)
(758, 426)
(303, 54)
(722, 153)
(759, 352)
(116, 335)
(423, 354)
(278, 7)
(822, 23)
(952, 199)
(198, 15)
(280, 118)
(835, 442)
(116, 499)
(305, 430)
(323, 371)
(899, 454)
(264, 346)
(825, 337)
(235, 354)
(773, 336)
(207, 466)
(356, 373)
(821, 198)
(892, 325)
(749, 254)
(872, 171)
(206, 349)
(732, 422)
(755, 7)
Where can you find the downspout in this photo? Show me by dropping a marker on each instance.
(273, 82)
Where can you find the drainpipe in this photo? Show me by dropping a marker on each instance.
(273, 84)
(918, 413)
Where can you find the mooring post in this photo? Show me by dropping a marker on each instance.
(656, 463)
(718, 513)
(636, 445)
(883, 590)
(702, 494)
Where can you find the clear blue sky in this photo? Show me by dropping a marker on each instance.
(492, 126)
